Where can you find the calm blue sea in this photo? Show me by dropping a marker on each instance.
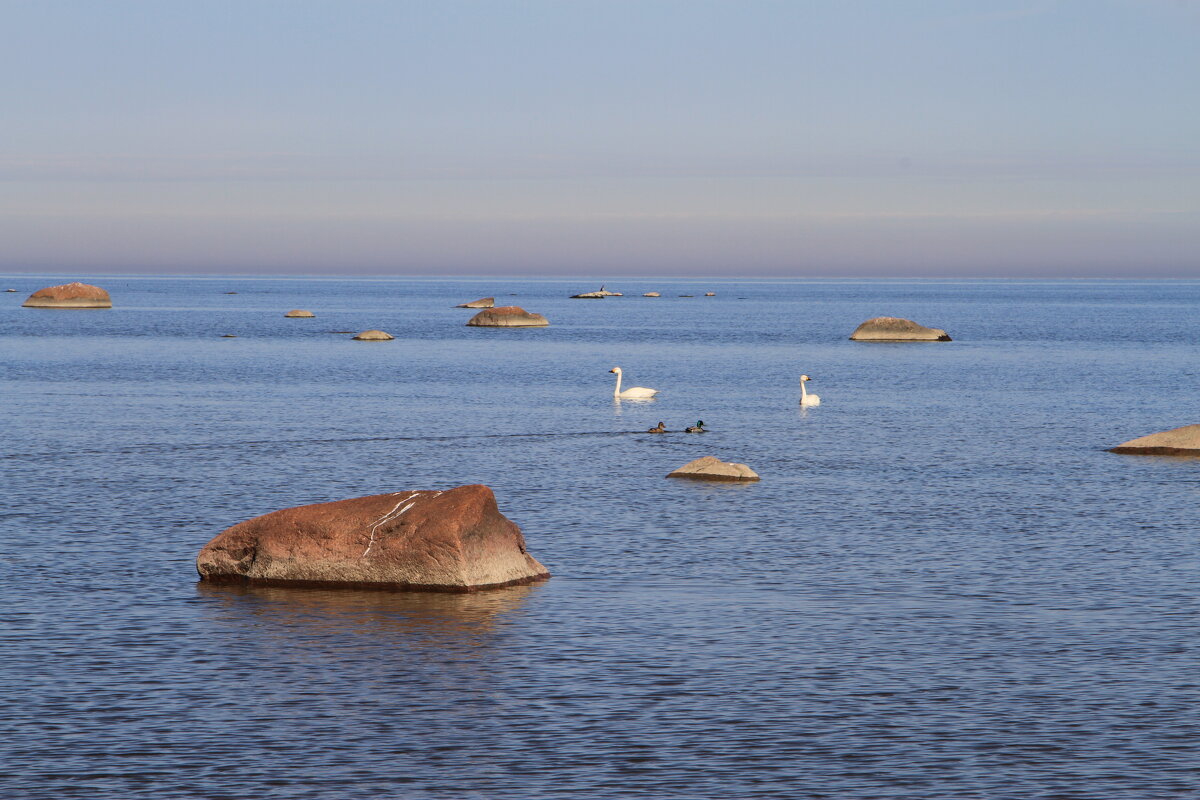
(943, 586)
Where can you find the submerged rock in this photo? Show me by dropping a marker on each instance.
(374, 336)
(710, 468)
(1183, 441)
(483, 302)
(507, 317)
(455, 540)
(299, 313)
(895, 329)
(69, 295)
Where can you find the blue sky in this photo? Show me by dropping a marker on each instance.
(890, 138)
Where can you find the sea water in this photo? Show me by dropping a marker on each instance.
(942, 587)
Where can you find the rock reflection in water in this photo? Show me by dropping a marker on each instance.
(413, 619)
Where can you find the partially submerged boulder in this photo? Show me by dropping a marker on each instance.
(507, 317)
(299, 313)
(69, 295)
(1183, 441)
(483, 302)
(895, 329)
(596, 295)
(455, 540)
(374, 336)
(710, 468)
(652, 294)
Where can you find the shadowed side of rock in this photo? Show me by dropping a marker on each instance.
(455, 540)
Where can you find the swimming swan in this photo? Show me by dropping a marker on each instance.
(632, 393)
(807, 399)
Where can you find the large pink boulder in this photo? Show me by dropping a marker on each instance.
(69, 295)
(455, 540)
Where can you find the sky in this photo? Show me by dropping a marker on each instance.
(823, 138)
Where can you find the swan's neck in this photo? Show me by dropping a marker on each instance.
(803, 391)
(617, 391)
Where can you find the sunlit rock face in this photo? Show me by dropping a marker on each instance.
(710, 468)
(454, 540)
(895, 329)
(483, 302)
(69, 295)
(1183, 441)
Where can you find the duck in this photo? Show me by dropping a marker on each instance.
(697, 428)
(806, 399)
(632, 393)
(659, 428)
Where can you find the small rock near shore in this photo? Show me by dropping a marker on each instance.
(710, 468)
(374, 336)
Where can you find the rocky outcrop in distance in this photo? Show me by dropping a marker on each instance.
(507, 317)
(483, 302)
(895, 329)
(69, 295)
(710, 468)
(374, 336)
(299, 313)
(455, 540)
(1183, 441)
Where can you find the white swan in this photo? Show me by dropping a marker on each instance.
(633, 393)
(807, 399)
